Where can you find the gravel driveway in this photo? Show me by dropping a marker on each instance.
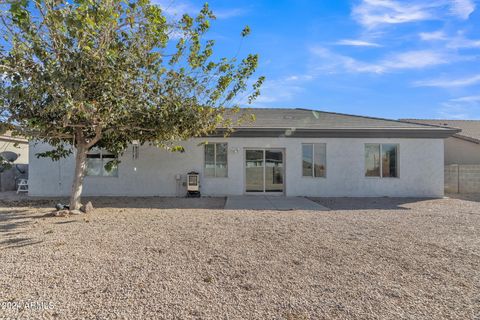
(184, 259)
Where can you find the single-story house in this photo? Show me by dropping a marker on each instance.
(293, 152)
(462, 147)
(10, 144)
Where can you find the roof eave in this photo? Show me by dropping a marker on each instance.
(466, 138)
(430, 133)
(13, 139)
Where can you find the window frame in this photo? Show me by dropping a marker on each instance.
(101, 153)
(313, 160)
(397, 150)
(214, 160)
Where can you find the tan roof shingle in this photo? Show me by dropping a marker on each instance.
(470, 128)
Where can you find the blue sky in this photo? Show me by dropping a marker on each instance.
(385, 58)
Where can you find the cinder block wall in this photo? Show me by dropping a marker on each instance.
(462, 178)
(451, 178)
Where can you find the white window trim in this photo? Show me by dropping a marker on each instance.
(313, 161)
(101, 152)
(381, 162)
(214, 160)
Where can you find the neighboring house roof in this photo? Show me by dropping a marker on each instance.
(313, 123)
(470, 129)
(7, 136)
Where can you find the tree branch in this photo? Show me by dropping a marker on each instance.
(98, 136)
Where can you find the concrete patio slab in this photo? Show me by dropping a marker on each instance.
(271, 203)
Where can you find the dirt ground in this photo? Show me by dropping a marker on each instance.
(190, 259)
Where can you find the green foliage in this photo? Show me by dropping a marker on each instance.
(246, 31)
(110, 165)
(107, 72)
(4, 164)
(55, 154)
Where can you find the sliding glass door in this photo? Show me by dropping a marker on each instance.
(254, 170)
(264, 170)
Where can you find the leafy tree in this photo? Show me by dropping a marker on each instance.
(104, 73)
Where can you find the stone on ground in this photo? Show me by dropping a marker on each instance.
(87, 208)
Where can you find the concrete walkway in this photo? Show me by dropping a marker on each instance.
(271, 203)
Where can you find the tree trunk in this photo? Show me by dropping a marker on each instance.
(80, 166)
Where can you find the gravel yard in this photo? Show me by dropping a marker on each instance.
(190, 259)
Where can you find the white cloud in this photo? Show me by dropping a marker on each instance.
(357, 43)
(330, 61)
(326, 60)
(457, 41)
(463, 8)
(283, 89)
(373, 13)
(461, 108)
(467, 99)
(278, 90)
(432, 36)
(453, 111)
(447, 83)
(302, 77)
(176, 8)
(229, 13)
(415, 60)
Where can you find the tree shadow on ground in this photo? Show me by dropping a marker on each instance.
(157, 202)
(17, 242)
(384, 203)
(153, 202)
(15, 225)
(119, 202)
(6, 205)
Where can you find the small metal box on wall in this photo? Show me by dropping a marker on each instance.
(193, 184)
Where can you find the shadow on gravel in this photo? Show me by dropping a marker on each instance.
(66, 222)
(157, 202)
(367, 203)
(6, 205)
(15, 224)
(9, 205)
(18, 242)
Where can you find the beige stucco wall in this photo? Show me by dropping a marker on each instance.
(458, 151)
(21, 150)
(153, 173)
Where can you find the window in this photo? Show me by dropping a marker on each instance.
(381, 160)
(389, 160)
(135, 151)
(216, 160)
(372, 160)
(314, 160)
(96, 161)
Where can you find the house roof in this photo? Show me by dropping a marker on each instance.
(314, 123)
(7, 136)
(470, 129)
